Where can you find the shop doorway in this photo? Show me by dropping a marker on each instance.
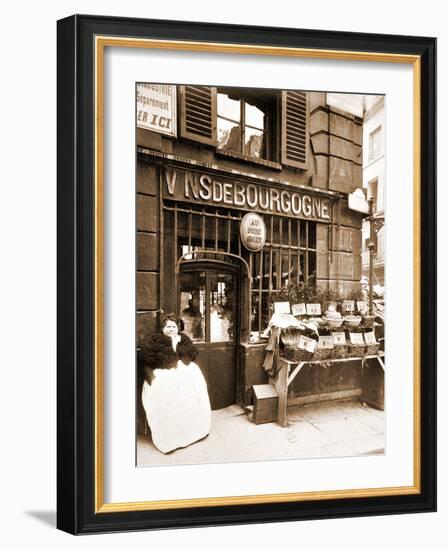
(209, 308)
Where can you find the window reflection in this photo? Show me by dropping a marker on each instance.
(221, 307)
(254, 116)
(253, 142)
(241, 126)
(215, 307)
(192, 298)
(229, 108)
(229, 135)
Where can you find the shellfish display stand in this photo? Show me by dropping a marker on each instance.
(329, 341)
(288, 370)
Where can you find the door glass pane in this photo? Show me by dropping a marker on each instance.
(221, 307)
(193, 304)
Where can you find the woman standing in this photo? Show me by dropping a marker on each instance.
(174, 393)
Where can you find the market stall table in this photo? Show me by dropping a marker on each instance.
(284, 377)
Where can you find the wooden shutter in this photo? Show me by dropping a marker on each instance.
(295, 129)
(198, 113)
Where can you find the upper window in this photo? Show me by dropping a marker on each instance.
(256, 125)
(241, 126)
(375, 149)
(245, 123)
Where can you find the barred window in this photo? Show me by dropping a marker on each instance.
(288, 257)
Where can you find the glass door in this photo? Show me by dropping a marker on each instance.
(209, 313)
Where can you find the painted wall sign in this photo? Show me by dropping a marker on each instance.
(349, 103)
(182, 185)
(253, 233)
(156, 108)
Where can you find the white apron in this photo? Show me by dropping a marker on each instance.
(177, 406)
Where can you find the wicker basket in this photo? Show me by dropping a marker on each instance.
(290, 336)
(293, 353)
(321, 322)
(356, 350)
(340, 351)
(333, 323)
(372, 349)
(368, 321)
(352, 322)
(322, 353)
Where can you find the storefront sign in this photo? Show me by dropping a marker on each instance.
(156, 108)
(196, 187)
(253, 233)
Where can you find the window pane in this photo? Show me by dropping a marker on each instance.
(253, 142)
(254, 116)
(221, 307)
(311, 235)
(375, 144)
(229, 108)
(286, 267)
(312, 268)
(192, 301)
(229, 135)
(255, 312)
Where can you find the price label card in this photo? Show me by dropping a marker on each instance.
(348, 306)
(298, 309)
(313, 309)
(339, 338)
(370, 337)
(362, 307)
(357, 338)
(326, 342)
(307, 344)
(282, 307)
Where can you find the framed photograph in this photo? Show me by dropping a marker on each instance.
(211, 179)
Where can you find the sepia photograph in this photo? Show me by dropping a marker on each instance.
(223, 262)
(260, 274)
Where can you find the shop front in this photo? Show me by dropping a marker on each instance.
(227, 227)
(220, 282)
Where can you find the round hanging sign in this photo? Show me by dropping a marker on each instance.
(253, 232)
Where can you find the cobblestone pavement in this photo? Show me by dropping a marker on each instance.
(338, 428)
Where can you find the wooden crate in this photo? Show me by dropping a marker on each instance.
(265, 398)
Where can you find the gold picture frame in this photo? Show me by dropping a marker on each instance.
(82, 42)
